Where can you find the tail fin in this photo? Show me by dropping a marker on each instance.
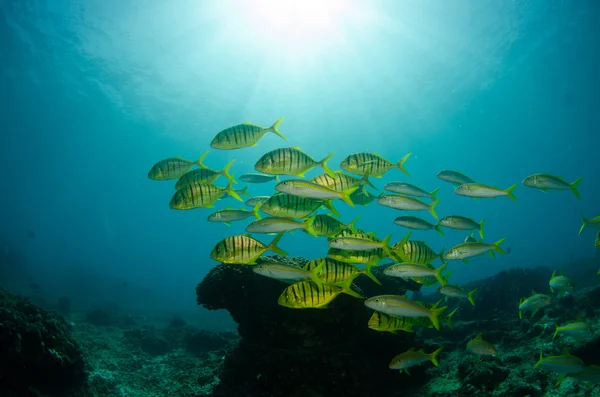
(200, 160)
(347, 289)
(574, 187)
(273, 246)
(509, 192)
(365, 180)
(400, 164)
(309, 225)
(434, 316)
(243, 191)
(352, 223)
(432, 209)
(497, 245)
(315, 273)
(432, 195)
(438, 273)
(539, 362)
(367, 271)
(585, 222)
(433, 356)
(438, 228)
(448, 318)
(232, 193)
(275, 128)
(225, 171)
(330, 207)
(385, 245)
(481, 228)
(323, 164)
(256, 210)
(471, 296)
(555, 332)
(345, 196)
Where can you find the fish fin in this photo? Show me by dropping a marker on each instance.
(560, 380)
(347, 289)
(385, 245)
(275, 128)
(277, 178)
(244, 191)
(433, 194)
(433, 356)
(471, 296)
(200, 160)
(345, 196)
(434, 316)
(497, 245)
(585, 222)
(447, 276)
(330, 207)
(315, 273)
(520, 315)
(400, 164)
(539, 362)
(227, 224)
(481, 228)
(432, 209)
(309, 225)
(492, 254)
(323, 164)
(509, 192)
(555, 332)
(365, 181)
(573, 187)
(367, 271)
(225, 171)
(232, 193)
(273, 246)
(352, 223)
(256, 211)
(438, 273)
(551, 289)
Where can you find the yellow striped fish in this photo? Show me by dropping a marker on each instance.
(327, 226)
(371, 164)
(173, 168)
(288, 206)
(414, 252)
(358, 233)
(243, 135)
(337, 272)
(309, 295)
(397, 305)
(290, 161)
(385, 323)
(205, 175)
(243, 249)
(199, 194)
(341, 181)
(370, 257)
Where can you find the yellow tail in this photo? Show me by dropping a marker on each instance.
(275, 128)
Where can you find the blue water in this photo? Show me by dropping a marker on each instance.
(93, 93)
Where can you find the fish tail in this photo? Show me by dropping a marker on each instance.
(497, 245)
(323, 164)
(275, 128)
(447, 276)
(347, 289)
(315, 273)
(385, 245)
(573, 187)
(273, 246)
(438, 228)
(400, 164)
(432, 209)
(256, 211)
(331, 208)
(352, 224)
(433, 194)
(481, 227)
(434, 315)
(345, 196)
(225, 171)
(585, 222)
(555, 332)
(448, 318)
(232, 193)
(539, 362)
(200, 161)
(244, 191)
(368, 272)
(365, 181)
(438, 273)
(433, 356)
(309, 225)
(492, 254)
(509, 192)
(471, 296)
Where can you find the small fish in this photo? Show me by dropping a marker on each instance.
(534, 303)
(341, 181)
(290, 161)
(286, 205)
(454, 177)
(397, 305)
(243, 135)
(308, 189)
(173, 168)
(414, 252)
(545, 182)
(370, 257)
(561, 284)
(204, 174)
(310, 295)
(288, 273)
(408, 189)
(198, 195)
(479, 190)
(590, 373)
(363, 197)
(453, 291)
(400, 202)
(458, 222)
(597, 242)
(243, 249)
(594, 222)
(327, 226)
(413, 357)
(563, 364)
(385, 323)
(480, 347)
(371, 164)
(408, 270)
(275, 225)
(257, 178)
(360, 244)
(578, 330)
(412, 222)
(253, 201)
(463, 251)
(227, 216)
(337, 272)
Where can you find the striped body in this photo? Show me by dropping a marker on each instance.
(370, 257)
(362, 197)
(306, 294)
(199, 175)
(171, 168)
(560, 283)
(386, 323)
(409, 190)
(242, 135)
(534, 303)
(274, 225)
(480, 347)
(286, 205)
(563, 364)
(288, 161)
(340, 182)
(414, 252)
(356, 233)
(242, 249)
(195, 195)
(326, 225)
(578, 330)
(334, 272)
(370, 164)
(454, 177)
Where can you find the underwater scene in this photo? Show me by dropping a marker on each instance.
(256, 198)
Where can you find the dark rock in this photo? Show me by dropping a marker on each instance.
(200, 342)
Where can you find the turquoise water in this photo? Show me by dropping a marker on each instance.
(95, 92)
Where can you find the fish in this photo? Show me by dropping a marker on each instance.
(288, 273)
(239, 192)
(471, 239)
(415, 223)
(327, 226)
(198, 195)
(358, 233)
(408, 189)
(204, 175)
(590, 373)
(286, 205)
(480, 347)
(414, 357)
(253, 201)
(341, 181)
(597, 242)
(479, 190)
(370, 257)
(309, 295)
(561, 283)
(385, 323)
(534, 303)
(545, 182)
(243, 135)
(243, 249)
(290, 161)
(594, 222)
(563, 364)
(363, 197)
(258, 178)
(458, 222)
(397, 305)
(230, 215)
(275, 225)
(578, 330)
(454, 177)
(337, 272)
(454, 291)
(401, 202)
(173, 168)
(371, 164)
(308, 189)
(408, 270)
(414, 252)
(463, 251)
(360, 244)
